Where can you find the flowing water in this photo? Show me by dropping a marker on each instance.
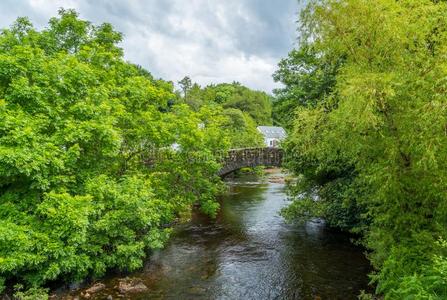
(249, 252)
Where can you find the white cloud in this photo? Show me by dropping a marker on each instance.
(211, 41)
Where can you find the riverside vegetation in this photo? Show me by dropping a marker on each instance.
(368, 94)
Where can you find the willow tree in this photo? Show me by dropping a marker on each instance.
(375, 147)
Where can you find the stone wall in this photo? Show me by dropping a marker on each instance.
(251, 157)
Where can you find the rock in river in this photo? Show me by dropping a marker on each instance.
(131, 286)
(96, 288)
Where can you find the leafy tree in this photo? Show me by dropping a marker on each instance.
(195, 99)
(242, 129)
(185, 85)
(257, 104)
(372, 147)
(86, 165)
(243, 109)
(307, 78)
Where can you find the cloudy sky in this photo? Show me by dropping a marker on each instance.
(212, 41)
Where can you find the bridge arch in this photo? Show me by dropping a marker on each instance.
(250, 157)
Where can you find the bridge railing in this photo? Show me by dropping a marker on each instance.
(252, 153)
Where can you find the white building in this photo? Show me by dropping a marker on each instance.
(272, 135)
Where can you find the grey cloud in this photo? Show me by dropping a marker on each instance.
(213, 41)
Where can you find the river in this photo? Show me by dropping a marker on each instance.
(249, 252)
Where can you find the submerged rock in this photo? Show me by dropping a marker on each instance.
(86, 296)
(131, 286)
(96, 288)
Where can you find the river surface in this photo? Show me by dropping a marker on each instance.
(249, 252)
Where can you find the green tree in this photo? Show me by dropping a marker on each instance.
(242, 108)
(307, 78)
(85, 183)
(195, 99)
(373, 146)
(241, 129)
(185, 85)
(257, 104)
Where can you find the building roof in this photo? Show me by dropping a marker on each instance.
(272, 132)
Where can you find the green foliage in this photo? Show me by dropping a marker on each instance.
(307, 78)
(242, 129)
(88, 178)
(255, 103)
(371, 144)
(186, 85)
(244, 109)
(430, 283)
(30, 294)
(2, 284)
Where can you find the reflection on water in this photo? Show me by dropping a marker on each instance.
(249, 252)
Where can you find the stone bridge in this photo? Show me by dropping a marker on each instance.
(250, 157)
